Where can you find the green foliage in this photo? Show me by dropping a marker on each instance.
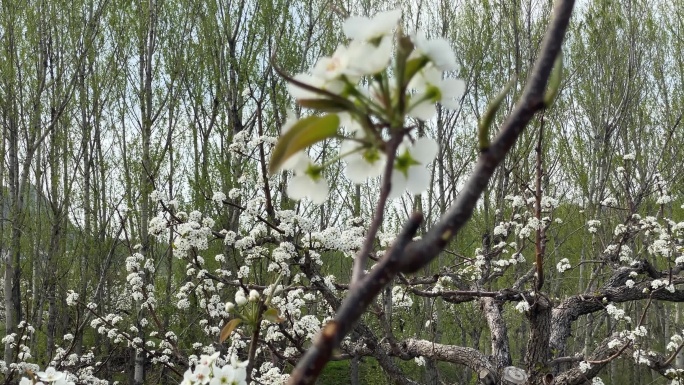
(302, 134)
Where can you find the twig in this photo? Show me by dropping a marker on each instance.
(362, 256)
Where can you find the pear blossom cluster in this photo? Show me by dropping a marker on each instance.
(81, 364)
(522, 306)
(291, 302)
(593, 225)
(401, 298)
(513, 235)
(206, 288)
(49, 376)
(209, 371)
(563, 265)
(403, 77)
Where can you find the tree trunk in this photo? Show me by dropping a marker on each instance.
(538, 348)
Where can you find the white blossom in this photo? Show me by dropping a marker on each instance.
(584, 366)
(308, 180)
(364, 28)
(410, 167)
(522, 306)
(431, 89)
(438, 51)
(563, 265)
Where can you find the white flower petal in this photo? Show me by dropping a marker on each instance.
(298, 162)
(299, 186)
(356, 169)
(450, 104)
(442, 55)
(367, 59)
(439, 51)
(417, 83)
(398, 181)
(355, 26)
(332, 67)
(452, 88)
(418, 180)
(302, 186)
(384, 22)
(301, 93)
(359, 169)
(424, 110)
(432, 75)
(424, 150)
(348, 146)
(319, 192)
(363, 28)
(352, 126)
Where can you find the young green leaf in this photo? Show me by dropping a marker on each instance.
(554, 81)
(228, 328)
(488, 117)
(301, 135)
(413, 66)
(272, 315)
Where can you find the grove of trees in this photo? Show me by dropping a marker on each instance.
(142, 228)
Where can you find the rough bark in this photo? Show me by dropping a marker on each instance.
(538, 350)
(572, 308)
(498, 331)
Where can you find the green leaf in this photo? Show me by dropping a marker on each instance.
(325, 127)
(228, 328)
(272, 315)
(488, 117)
(301, 135)
(278, 157)
(413, 66)
(554, 81)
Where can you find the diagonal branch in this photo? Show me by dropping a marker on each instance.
(408, 256)
(420, 253)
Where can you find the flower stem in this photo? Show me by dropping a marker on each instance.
(361, 259)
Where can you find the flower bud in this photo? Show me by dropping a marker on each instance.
(240, 298)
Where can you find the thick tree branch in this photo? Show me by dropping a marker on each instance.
(422, 252)
(572, 308)
(654, 361)
(498, 331)
(418, 254)
(412, 348)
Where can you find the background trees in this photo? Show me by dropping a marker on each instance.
(104, 103)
